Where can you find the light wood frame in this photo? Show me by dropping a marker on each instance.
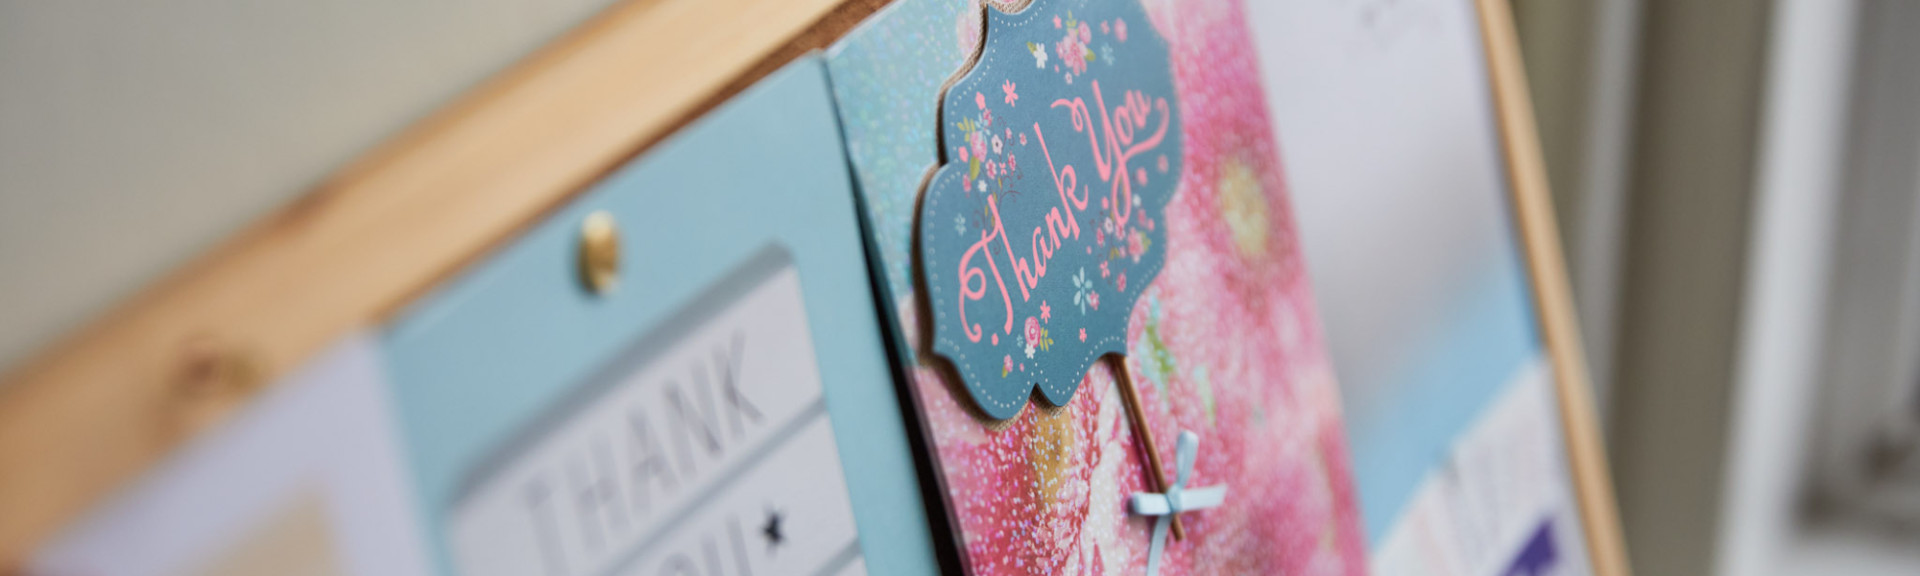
(98, 408)
(1553, 294)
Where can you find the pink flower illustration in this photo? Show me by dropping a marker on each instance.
(1072, 51)
(979, 143)
(991, 172)
(980, 100)
(1006, 363)
(1120, 29)
(1033, 330)
(1023, 138)
(1046, 313)
(1083, 334)
(1011, 163)
(986, 117)
(963, 154)
(1135, 244)
(1122, 282)
(1086, 34)
(1056, 21)
(1103, 269)
(1012, 96)
(1093, 299)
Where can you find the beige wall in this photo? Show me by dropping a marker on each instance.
(135, 135)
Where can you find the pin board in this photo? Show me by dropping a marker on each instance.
(574, 272)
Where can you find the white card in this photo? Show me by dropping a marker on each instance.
(708, 452)
(306, 480)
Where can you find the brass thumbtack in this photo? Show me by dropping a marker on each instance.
(212, 378)
(600, 252)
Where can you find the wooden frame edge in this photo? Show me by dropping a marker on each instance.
(1553, 295)
(178, 357)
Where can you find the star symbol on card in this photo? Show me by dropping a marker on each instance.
(771, 529)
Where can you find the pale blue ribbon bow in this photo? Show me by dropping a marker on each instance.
(1177, 499)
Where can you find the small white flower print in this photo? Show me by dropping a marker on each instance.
(1083, 291)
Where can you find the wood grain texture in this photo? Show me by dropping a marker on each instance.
(1553, 296)
(98, 408)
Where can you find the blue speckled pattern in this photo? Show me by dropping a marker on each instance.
(887, 76)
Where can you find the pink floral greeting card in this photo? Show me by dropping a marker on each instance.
(1058, 188)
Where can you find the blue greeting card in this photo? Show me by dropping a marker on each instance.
(714, 413)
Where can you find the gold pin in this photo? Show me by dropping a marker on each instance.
(600, 252)
(212, 379)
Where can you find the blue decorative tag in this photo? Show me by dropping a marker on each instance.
(1061, 148)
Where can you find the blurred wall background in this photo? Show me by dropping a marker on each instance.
(137, 135)
(1736, 185)
(1735, 180)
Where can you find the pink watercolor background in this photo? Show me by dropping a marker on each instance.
(1224, 343)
